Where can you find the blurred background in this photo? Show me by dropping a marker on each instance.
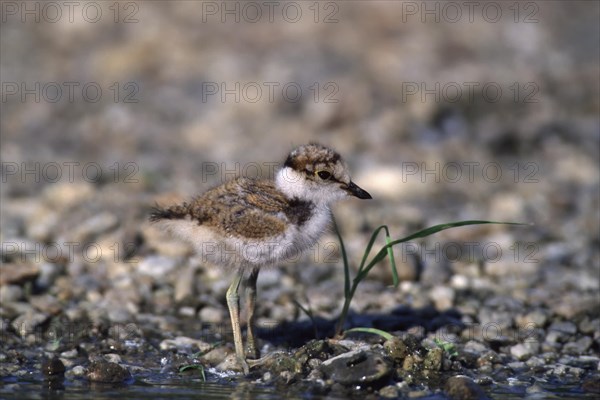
(443, 111)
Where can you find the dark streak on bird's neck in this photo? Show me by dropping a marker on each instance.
(300, 211)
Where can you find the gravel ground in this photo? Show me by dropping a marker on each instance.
(104, 115)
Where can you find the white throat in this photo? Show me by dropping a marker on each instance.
(294, 184)
(291, 183)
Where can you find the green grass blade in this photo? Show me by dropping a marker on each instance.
(370, 245)
(441, 227)
(395, 278)
(374, 331)
(344, 259)
(198, 367)
(383, 252)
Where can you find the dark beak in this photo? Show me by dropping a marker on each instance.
(354, 190)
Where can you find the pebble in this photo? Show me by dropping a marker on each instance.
(464, 388)
(566, 328)
(433, 360)
(185, 283)
(77, 371)
(186, 344)
(523, 351)
(442, 296)
(64, 195)
(119, 315)
(107, 372)
(48, 274)
(157, 266)
(561, 370)
(389, 392)
(26, 323)
(10, 293)
(579, 346)
(69, 354)
(46, 303)
(357, 367)
(95, 226)
(18, 274)
(475, 347)
(211, 315)
(588, 325)
(535, 362)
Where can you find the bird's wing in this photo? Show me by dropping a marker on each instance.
(247, 208)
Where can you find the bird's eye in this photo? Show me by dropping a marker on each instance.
(324, 175)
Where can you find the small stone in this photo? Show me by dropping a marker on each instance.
(215, 356)
(464, 388)
(493, 320)
(443, 297)
(46, 303)
(561, 370)
(534, 319)
(433, 359)
(95, 226)
(67, 194)
(488, 358)
(357, 367)
(69, 354)
(553, 337)
(535, 362)
(186, 344)
(315, 375)
(565, 327)
(230, 363)
(389, 392)
(475, 347)
(48, 274)
(579, 346)
(27, 323)
(187, 311)
(523, 351)
(280, 362)
(107, 372)
(398, 348)
(113, 358)
(184, 285)
(76, 372)
(588, 325)
(411, 362)
(10, 293)
(518, 366)
(157, 266)
(211, 315)
(459, 282)
(119, 315)
(17, 274)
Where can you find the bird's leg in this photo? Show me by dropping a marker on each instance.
(233, 303)
(251, 349)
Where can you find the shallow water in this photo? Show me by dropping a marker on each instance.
(167, 387)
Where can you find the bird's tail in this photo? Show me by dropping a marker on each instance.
(174, 212)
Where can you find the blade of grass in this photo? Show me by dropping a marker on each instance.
(344, 259)
(395, 278)
(374, 331)
(194, 366)
(370, 244)
(383, 252)
(386, 250)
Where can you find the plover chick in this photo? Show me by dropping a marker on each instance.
(246, 224)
